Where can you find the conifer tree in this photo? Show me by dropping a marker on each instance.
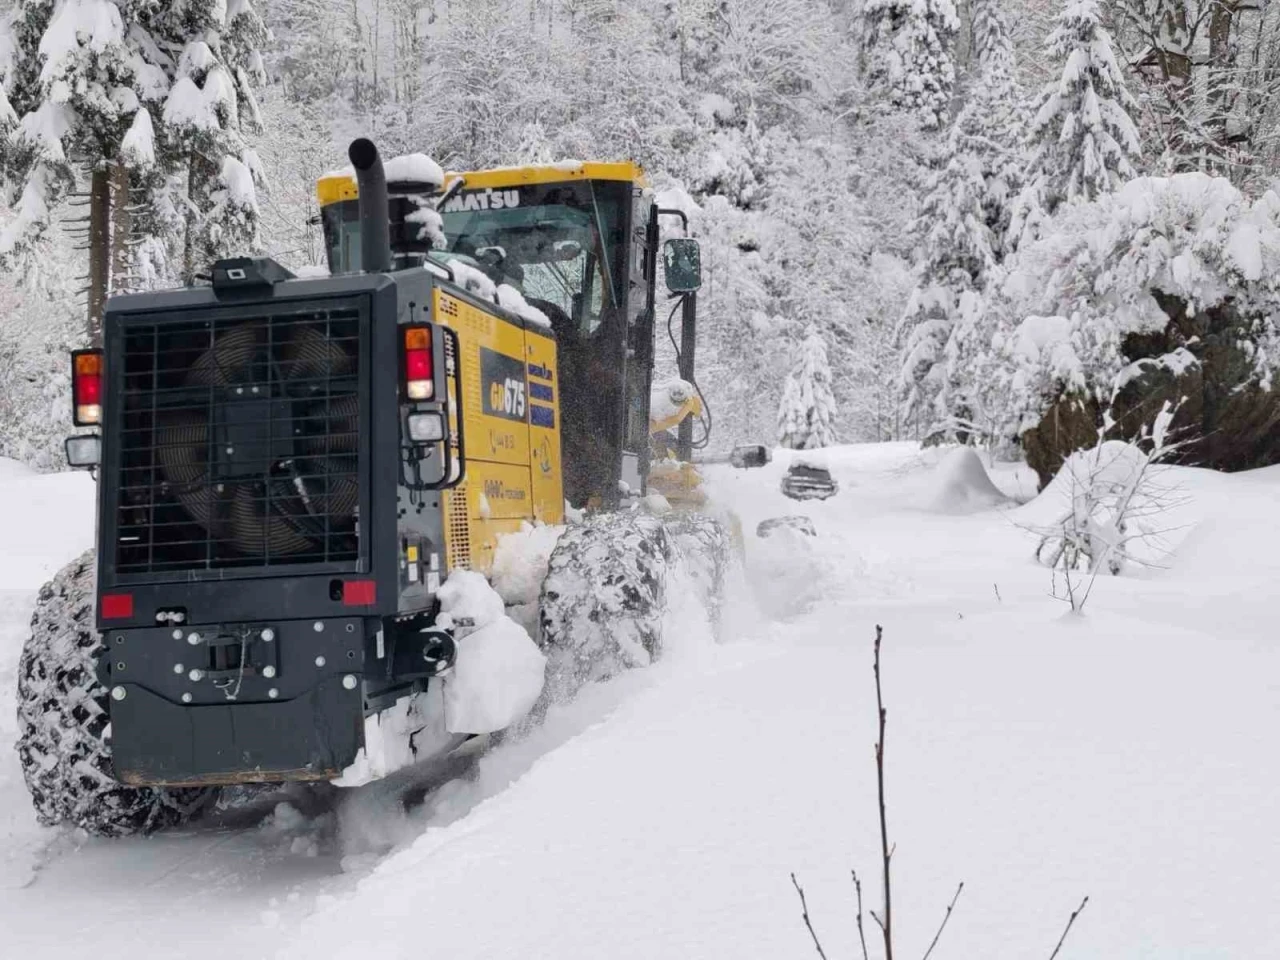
(908, 55)
(1083, 140)
(948, 304)
(808, 407)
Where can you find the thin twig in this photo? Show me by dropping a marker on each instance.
(1068, 929)
(886, 925)
(857, 886)
(804, 912)
(942, 926)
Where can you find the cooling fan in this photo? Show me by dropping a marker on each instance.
(268, 463)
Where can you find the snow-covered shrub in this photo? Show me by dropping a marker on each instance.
(1113, 510)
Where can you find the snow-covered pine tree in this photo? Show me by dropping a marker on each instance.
(940, 329)
(1083, 140)
(209, 172)
(807, 409)
(993, 122)
(127, 97)
(908, 55)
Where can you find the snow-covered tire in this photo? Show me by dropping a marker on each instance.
(64, 733)
(605, 593)
(601, 606)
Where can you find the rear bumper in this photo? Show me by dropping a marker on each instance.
(288, 708)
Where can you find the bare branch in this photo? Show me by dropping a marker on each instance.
(804, 912)
(886, 926)
(942, 926)
(1072, 920)
(857, 886)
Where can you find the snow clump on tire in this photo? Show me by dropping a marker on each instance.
(64, 730)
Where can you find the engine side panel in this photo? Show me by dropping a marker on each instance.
(512, 438)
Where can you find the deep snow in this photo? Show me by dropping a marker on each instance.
(1127, 754)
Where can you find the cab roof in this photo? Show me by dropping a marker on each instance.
(333, 187)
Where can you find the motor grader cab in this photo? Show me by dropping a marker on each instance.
(289, 468)
(579, 243)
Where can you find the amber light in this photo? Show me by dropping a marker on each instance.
(419, 370)
(86, 388)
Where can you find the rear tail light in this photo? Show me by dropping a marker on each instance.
(418, 366)
(86, 388)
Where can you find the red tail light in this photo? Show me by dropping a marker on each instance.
(116, 606)
(86, 388)
(419, 366)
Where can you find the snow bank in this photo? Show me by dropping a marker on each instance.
(46, 520)
(961, 485)
(499, 673)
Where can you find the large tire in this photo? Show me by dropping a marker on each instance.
(602, 601)
(606, 590)
(64, 732)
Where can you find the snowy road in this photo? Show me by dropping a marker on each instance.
(1128, 755)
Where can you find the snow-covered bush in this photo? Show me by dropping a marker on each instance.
(1114, 510)
(1164, 290)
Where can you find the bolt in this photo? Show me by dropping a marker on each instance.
(120, 665)
(239, 390)
(196, 675)
(193, 638)
(320, 661)
(179, 617)
(186, 698)
(230, 451)
(350, 681)
(179, 668)
(268, 672)
(318, 626)
(119, 639)
(351, 628)
(268, 634)
(273, 693)
(118, 693)
(177, 634)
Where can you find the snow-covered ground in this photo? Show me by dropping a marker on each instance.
(1128, 754)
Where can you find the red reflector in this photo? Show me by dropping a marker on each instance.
(116, 606)
(359, 593)
(417, 365)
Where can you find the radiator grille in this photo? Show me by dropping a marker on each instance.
(458, 528)
(239, 440)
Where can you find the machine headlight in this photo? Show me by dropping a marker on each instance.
(426, 427)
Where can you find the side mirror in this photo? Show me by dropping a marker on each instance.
(682, 262)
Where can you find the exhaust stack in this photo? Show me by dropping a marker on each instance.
(375, 227)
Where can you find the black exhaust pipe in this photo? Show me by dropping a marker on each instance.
(375, 225)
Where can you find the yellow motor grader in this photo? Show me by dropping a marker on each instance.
(290, 468)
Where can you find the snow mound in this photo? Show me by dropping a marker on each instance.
(961, 485)
(520, 562)
(499, 672)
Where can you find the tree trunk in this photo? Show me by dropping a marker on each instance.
(99, 251)
(121, 229)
